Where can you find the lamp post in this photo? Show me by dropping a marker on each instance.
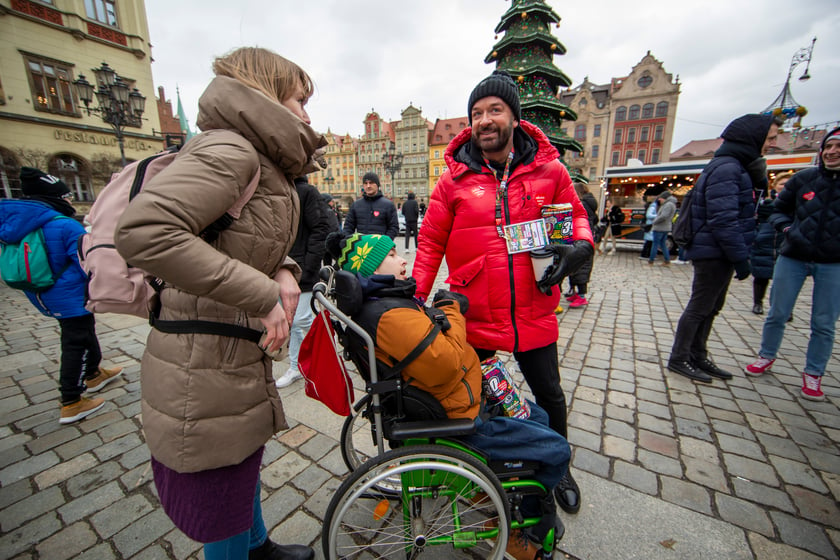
(329, 180)
(118, 105)
(785, 105)
(392, 162)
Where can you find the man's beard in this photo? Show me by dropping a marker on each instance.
(503, 135)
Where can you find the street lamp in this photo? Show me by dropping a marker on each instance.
(329, 180)
(392, 162)
(785, 105)
(119, 105)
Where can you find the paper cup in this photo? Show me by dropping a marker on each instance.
(541, 259)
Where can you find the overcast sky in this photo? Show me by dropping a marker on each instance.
(732, 56)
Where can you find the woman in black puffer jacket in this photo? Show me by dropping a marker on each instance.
(766, 244)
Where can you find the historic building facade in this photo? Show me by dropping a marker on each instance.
(632, 117)
(411, 137)
(443, 132)
(45, 46)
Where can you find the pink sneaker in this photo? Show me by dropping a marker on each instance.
(811, 387)
(759, 367)
(578, 302)
(572, 297)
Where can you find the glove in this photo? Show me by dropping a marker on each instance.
(742, 269)
(445, 297)
(567, 259)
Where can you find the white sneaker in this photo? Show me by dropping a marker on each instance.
(291, 375)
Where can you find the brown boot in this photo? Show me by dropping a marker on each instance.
(520, 546)
(105, 376)
(80, 409)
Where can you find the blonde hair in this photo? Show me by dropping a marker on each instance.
(781, 177)
(265, 71)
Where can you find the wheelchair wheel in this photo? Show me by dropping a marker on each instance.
(450, 505)
(357, 442)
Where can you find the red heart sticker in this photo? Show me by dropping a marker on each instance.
(376, 213)
(808, 195)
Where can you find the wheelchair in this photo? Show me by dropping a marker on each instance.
(414, 490)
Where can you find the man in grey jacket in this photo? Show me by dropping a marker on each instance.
(667, 207)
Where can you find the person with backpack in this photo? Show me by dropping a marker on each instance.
(209, 400)
(46, 211)
(721, 209)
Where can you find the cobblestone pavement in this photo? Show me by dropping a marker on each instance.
(668, 468)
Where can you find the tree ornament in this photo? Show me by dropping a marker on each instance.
(777, 111)
(562, 113)
(553, 47)
(520, 79)
(801, 111)
(524, 15)
(494, 54)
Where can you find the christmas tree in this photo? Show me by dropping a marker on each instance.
(526, 52)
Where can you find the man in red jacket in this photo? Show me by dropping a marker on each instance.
(501, 171)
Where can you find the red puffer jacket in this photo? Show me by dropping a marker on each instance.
(507, 311)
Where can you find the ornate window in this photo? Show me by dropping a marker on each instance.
(9, 175)
(621, 114)
(643, 135)
(580, 132)
(644, 81)
(647, 111)
(642, 155)
(103, 11)
(596, 131)
(658, 133)
(50, 83)
(654, 156)
(75, 173)
(634, 112)
(594, 151)
(615, 156)
(631, 135)
(617, 139)
(662, 109)
(628, 156)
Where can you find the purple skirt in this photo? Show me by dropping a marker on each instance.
(211, 505)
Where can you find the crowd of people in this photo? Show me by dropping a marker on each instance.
(260, 271)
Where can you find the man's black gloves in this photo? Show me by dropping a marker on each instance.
(445, 297)
(742, 269)
(567, 259)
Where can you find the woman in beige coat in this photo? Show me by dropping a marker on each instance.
(209, 402)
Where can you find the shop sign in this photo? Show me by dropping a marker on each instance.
(105, 140)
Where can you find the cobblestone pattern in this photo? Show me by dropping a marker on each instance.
(749, 451)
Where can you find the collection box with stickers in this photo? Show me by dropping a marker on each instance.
(558, 223)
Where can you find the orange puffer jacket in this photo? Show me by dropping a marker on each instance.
(507, 311)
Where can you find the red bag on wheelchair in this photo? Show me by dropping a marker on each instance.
(326, 376)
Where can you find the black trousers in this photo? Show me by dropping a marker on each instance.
(411, 230)
(80, 356)
(759, 289)
(541, 370)
(708, 294)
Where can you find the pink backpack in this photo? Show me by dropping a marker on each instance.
(114, 286)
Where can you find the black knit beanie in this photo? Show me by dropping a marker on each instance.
(34, 182)
(498, 84)
(371, 176)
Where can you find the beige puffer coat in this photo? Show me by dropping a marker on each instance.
(210, 401)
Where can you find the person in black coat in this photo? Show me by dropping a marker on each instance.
(316, 222)
(723, 222)
(613, 217)
(766, 244)
(807, 214)
(373, 213)
(411, 211)
(579, 280)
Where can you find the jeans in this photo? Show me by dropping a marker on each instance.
(660, 241)
(788, 277)
(708, 294)
(80, 356)
(541, 370)
(300, 326)
(501, 437)
(237, 546)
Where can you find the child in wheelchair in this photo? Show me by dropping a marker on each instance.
(449, 369)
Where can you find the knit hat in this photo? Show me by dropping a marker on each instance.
(371, 176)
(327, 197)
(362, 253)
(34, 182)
(498, 84)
